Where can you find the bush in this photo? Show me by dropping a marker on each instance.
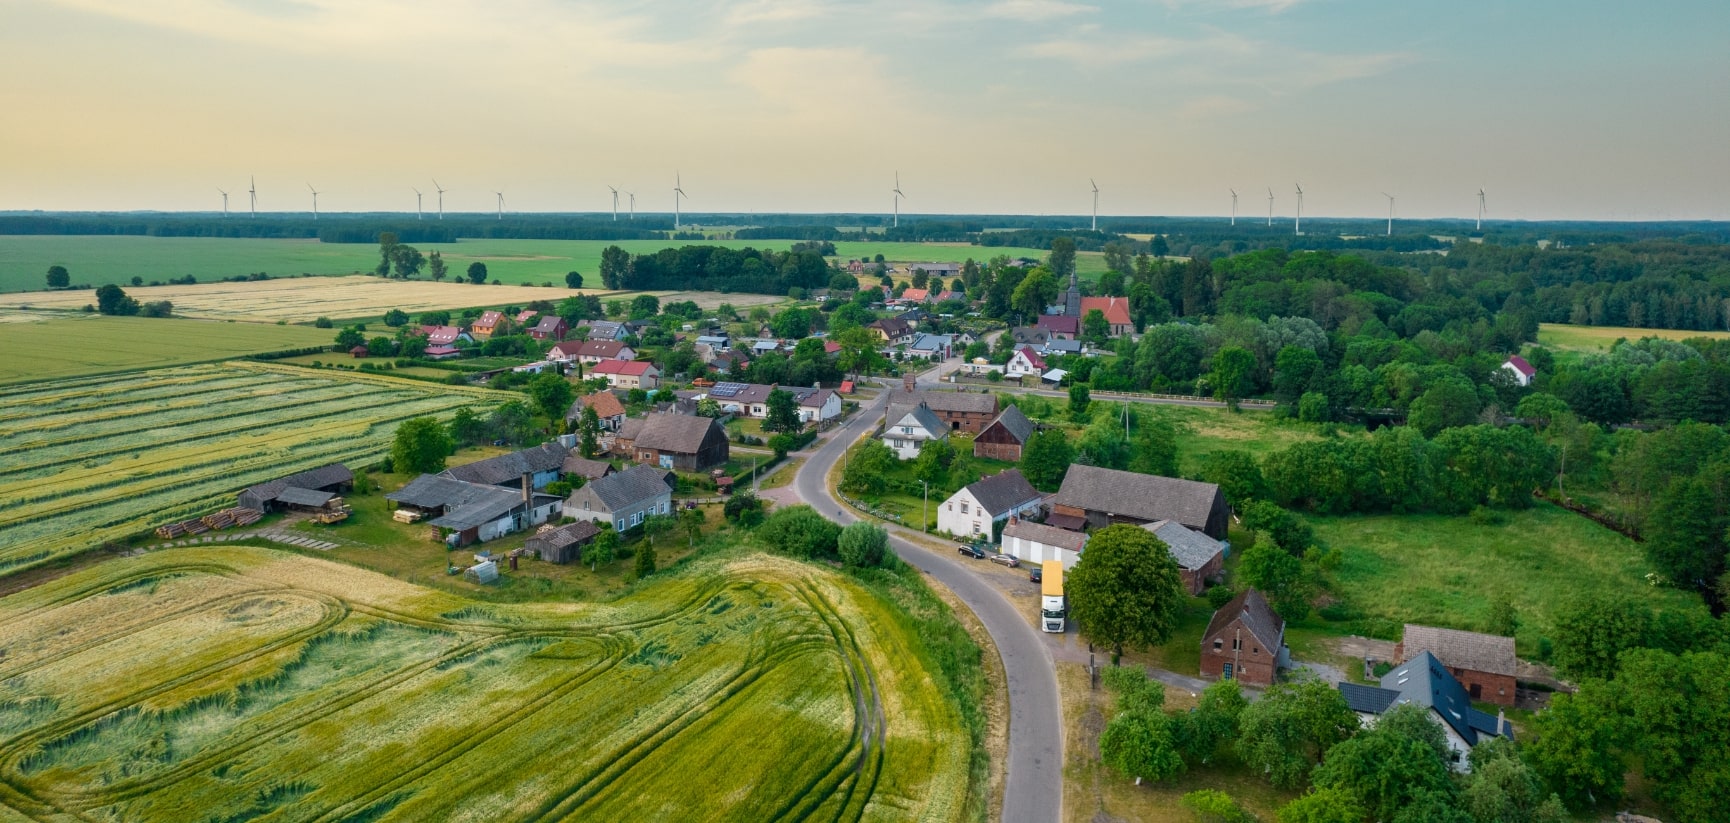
(744, 509)
(863, 544)
(801, 532)
(322, 323)
(1218, 596)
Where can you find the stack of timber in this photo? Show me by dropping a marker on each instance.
(229, 518)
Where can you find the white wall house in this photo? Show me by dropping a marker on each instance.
(973, 511)
(1040, 544)
(1024, 362)
(819, 405)
(1520, 369)
(915, 426)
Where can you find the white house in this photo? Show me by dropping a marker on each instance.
(915, 426)
(819, 405)
(1041, 544)
(974, 510)
(1025, 362)
(1425, 682)
(623, 499)
(1522, 371)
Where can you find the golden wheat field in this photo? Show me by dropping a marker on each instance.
(233, 683)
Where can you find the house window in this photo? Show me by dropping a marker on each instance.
(1236, 645)
(636, 518)
(906, 429)
(963, 508)
(1218, 645)
(1225, 674)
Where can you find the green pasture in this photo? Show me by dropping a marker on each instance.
(53, 345)
(1600, 338)
(235, 683)
(95, 260)
(1444, 571)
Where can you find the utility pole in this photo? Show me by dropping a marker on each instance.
(925, 513)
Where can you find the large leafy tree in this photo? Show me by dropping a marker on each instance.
(1046, 458)
(781, 412)
(863, 544)
(867, 470)
(1577, 746)
(59, 277)
(1324, 806)
(1388, 766)
(1278, 574)
(1592, 632)
(552, 395)
(1445, 405)
(1061, 262)
(112, 300)
(1284, 735)
(477, 272)
(1233, 375)
(801, 532)
(1237, 474)
(1155, 449)
(1138, 741)
(421, 446)
(1095, 328)
(615, 267)
(1126, 590)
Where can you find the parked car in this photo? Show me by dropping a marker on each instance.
(1006, 560)
(973, 551)
(1034, 573)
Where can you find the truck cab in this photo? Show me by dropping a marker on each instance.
(1053, 608)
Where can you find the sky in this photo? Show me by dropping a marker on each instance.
(1559, 109)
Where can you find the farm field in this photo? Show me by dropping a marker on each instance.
(96, 459)
(1600, 338)
(109, 259)
(1443, 571)
(305, 299)
(232, 683)
(52, 345)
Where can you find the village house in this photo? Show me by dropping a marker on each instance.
(1520, 369)
(462, 513)
(524, 316)
(959, 410)
(819, 405)
(940, 346)
(1025, 362)
(628, 374)
(1245, 641)
(490, 323)
(602, 330)
(1093, 497)
(976, 509)
(1483, 663)
(936, 270)
(590, 352)
(716, 342)
(892, 331)
(625, 439)
(1059, 327)
(1004, 438)
(541, 464)
(1052, 348)
(1029, 336)
(906, 431)
(550, 327)
(312, 488)
(624, 499)
(915, 295)
(1040, 544)
(607, 407)
(1199, 558)
(677, 441)
(563, 544)
(1424, 681)
(444, 335)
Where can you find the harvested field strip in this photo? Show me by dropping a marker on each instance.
(285, 684)
(92, 463)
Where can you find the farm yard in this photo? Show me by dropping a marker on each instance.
(53, 345)
(305, 299)
(96, 459)
(236, 683)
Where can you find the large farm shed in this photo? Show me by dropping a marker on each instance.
(465, 513)
(333, 479)
(543, 463)
(1095, 498)
(675, 441)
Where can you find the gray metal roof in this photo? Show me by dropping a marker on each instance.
(466, 505)
(563, 536)
(624, 489)
(1003, 491)
(321, 477)
(1191, 549)
(1425, 681)
(507, 469)
(1049, 535)
(304, 497)
(584, 467)
(1367, 699)
(1141, 496)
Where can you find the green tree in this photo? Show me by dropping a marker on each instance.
(1293, 370)
(1284, 735)
(867, 470)
(858, 353)
(1035, 292)
(1080, 400)
(1504, 616)
(692, 520)
(1503, 789)
(1126, 590)
(466, 428)
(1576, 746)
(1678, 709)
(1046, 458)
(387, 243)
(1215, 806)
(60, 278)
(552, 395)
(1685, 532)
(801, 532)
(1279, 575)
(781, 413)
(645, 306)
(420, 447)
(1203, 733)
(1592, 632)
(1061, 262)
(615, 267)
(1313, 407)
(920, 279)
(791, 324)
(744, 509)
(1095, 328)
(1285, 529)
(1323, 806)
(863, 545)
(605, 549)
(573, 280)
(435, 263)
(406, 261)
(645, 559)
(589, 427)
(112, 300)
(1233, 375)
(1138, 741)
(1445, 405)
(1237, 474)
(396, 318)
(1155, 449)
(477, 272)
(1391, 764)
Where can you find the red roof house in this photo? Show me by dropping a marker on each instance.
(1115, 309)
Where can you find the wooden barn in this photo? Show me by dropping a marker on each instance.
(563, 544)
(329, 481)
(1004, 438)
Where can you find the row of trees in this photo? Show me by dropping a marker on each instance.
(714, 268)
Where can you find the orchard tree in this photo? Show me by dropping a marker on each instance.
(1138, 742)
(1391, 765)
(1283, 735)
(420, 447)
(1126, 590)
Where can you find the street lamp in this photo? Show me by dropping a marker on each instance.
(925, 513)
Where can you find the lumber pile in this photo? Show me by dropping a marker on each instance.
(229, 518)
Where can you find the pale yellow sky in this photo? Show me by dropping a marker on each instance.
(813, 105)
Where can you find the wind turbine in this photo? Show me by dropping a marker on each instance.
(417, 213)
(1095, 203)
(615, 204)
(441, 192)
(1390, 213)
(501, 196)
(1233, 206)
(1298, 227)
(633, 196)
(253, 191)
(1270, 208)
(314, 200)
(224, 202)
(898, 195)
(678, 192)
(1480, 208)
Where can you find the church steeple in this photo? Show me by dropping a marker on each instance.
(1072, 301)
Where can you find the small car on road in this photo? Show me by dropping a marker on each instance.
(1005, 560)
(973, 551)
(1034, 573)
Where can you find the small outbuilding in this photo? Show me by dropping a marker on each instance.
(484, 573)
(1005, 437)
(1199, 557)
(563, 544)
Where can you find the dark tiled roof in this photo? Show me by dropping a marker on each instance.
(1257, 616)
(1014, 422)
(1461, 650)
(1425, 681)
(633, 485)
(1003, 491)
(507, 469)
(1049, 535)
(678, 433)
(921, 414)
(304, 497)
(1143, 496)
(584, 467)
(321, 477)
(1367, 699)
(564, 535)
(605, 402)
(629, 429)
(946, 401)
(466, 505)
(1190, 548)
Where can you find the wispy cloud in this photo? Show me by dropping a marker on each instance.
(1034, 11)
(775, 11)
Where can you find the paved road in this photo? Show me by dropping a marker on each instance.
(1033, 788)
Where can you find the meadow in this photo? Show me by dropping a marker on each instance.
(96, 260)
(232, 683)
(51, 345)
(1600, 338)
(96, 459)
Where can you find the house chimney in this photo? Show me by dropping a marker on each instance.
(908, 381)
(528, 488)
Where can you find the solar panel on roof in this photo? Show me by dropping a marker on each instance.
(727, 389)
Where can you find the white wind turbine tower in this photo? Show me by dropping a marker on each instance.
(224, 202)
(1390, 213)
(1270, 208)
(417, 212)
(1095, 203)
(314, 200)
(252, 182)
(898, 195)
(441, 192)
(633, 196)
(1233, 206)
(678, 192)
(615, 204)
(501, 197)
(1298, 227)
(1480, 208)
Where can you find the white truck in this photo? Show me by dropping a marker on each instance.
(1052, 607)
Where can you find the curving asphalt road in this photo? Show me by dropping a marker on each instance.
(1033, 785)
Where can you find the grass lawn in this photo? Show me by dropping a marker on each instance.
(1443, 571)
(52, 345)
(1201, 430)
(1600, 338)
